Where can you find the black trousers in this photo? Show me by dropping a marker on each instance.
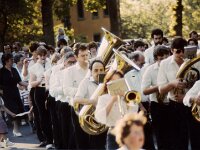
(98, 141)
(56, 127)
(111, 142)
(36, 116)
(194, 129)
(149, 143)
(81, 137)
(44, 117)
(178, 126)
(160, 121)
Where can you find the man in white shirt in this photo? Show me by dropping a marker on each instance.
(191, 97)
(159, 109)
(168, 83)
(157, 36)
(72, 78)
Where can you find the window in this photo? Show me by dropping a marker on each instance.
(95, 15)
(80, 9)
(97, 37)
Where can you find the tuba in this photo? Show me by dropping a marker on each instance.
(86, 115)
(186, 73)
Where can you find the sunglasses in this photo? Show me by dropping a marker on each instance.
(178, 51)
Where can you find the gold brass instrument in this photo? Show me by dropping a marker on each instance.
(86, 115)
(132, 96)
(184, 73)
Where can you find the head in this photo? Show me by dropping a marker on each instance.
(7, 59)
(192, 42)
(81, 54)
(129, 130)
(18, 59)
(157, 36)
(7, 49)
(65, 50)
(161, 52)
(61, 31)
(18, 46)
(26, 51)
(193, 35)
(41, 53)
(51, 49)
(138, 58)
(54, 59)
(139, 46)
(92, 47)
(177, 48)
(165, 41)
(69, 59)
(33, 49)
(61, 43)
(97, 67)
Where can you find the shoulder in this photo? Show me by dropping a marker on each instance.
(149, 50)
(166, 61)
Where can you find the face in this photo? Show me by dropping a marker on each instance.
(141, 61)
(141, 48)
(7, 49)
(34, 54)
(194, 36)
(157, 39)
(178, 53)
(191, 43)
(15, 48)
(93, 52)
(160, 58)
(136, 137)
(42, 58)
(97, 69)
(82, 56)
(21, 61)
(69, 62)
(10, 62)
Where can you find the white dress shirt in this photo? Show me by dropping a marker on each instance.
(167, 73)
(86, 88)
(115, 114)
(194, 91)
(39, 70)
(134, 79)
(72, 78)
(148, 54)
(150, 79)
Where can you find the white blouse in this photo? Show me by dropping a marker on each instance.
(115, 114)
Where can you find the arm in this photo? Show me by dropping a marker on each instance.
(22, 83)
(33, 81)
(110, 104)
(8, 111)
(25, 68)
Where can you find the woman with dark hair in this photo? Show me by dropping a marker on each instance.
(9, 78)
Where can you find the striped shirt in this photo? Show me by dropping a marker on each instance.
(24, 97)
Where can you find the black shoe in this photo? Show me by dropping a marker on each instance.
(42, 144)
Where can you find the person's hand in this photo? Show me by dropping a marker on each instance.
(13, 115)
(179, 97)
(26, 62)
(142, 108)
(178, 83)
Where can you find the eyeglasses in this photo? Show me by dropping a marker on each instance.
(178, 51)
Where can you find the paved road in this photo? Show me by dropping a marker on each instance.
(27, 141)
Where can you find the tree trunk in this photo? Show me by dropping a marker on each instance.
(114, 13)
(3, 24)
(47, 21)
(178, 15)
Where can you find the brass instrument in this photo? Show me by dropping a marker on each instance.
(184, 73)
(86, 115)
(160, 97)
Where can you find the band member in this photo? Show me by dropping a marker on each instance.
(159, 107)
(61, 110)
(129, 131)
(72, 78)
(37, 80)
(85, 90)
(193, 96)
(108, 111)
(157, 36)
(168, 83)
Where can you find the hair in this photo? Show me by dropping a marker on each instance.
(41, 50)
(55, 57)
(92, 45)
(65, 50)
(192, 32)
(33, 46)
(194, 40)
(123, 126)
(68, 55)
(156, 32)
(81, 47)
(178, 43)
(135, 55)
(17, 58)
(62, 42)
(96, 61)
(160, 50)
(5, 58)
(138, 44)
(165, 39)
